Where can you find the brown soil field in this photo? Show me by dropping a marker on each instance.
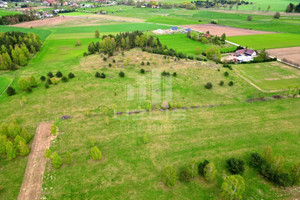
(219, 30)
(44, 22)
(291, 54)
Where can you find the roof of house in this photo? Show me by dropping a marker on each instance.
(245, 51)
(174, 28)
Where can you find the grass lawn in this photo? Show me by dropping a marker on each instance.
(6, 12)
(41, 32)
(267, 41)
(171, 20)
(4, 81)
(271, 76)
(181, 43)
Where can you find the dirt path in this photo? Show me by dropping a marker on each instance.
(33, 179)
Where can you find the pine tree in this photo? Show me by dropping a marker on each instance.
(11, 152)
(3, 141)
(26, 135)
(95, 153)
(23, 61)
(97, 34)
(3, 129)
(23, 148)
(56, 160)
(210, 172)
(68, 158)
(7, 59)
(48, 153)
(17, 140)
(13, 129)
(32, 49)
(25, 51)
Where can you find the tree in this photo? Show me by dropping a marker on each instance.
(17, 140)
(48, 153)
(97, 34)
(276, 15)
(193, 169)
(96, 153)
(290, 8)
(213, 53)
(13, 129)
(92, 141)
(295, 173)
(223, 37)
(10, 91)
(56, 160)
(169, 176)
(23, 83)
(91, 48)
(249, 18)
(23, 148)
(233, 187)
(3, 129)
(32, 81)
(268, 8)
(54, 129)
(11, 152)
(26, 135)
(268, 155)
(68, 158)
(3, 141)
(210, 172)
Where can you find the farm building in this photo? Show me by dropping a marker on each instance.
(3, 4)
(174, 28)
(245, 52)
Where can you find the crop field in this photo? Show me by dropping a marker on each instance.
(271, 76)
(267, 41)
(137, 137)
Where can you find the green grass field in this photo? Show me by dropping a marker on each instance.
(41, 32)
(267, 41)
(271, 76)
(6, 12)
(171, 20)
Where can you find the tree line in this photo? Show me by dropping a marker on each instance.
(292, 8)
(16, 48)
(15, 19)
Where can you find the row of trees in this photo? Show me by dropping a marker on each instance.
(15, 19)
(13, 140)
(207, 38)
(16, 48)
(292, 8)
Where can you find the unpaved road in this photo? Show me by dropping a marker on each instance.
(33, 179)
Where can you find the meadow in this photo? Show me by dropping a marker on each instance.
(42, 33)
(271, 76)
(267, 41)
(6, 12)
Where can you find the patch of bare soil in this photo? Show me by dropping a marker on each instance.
(33, 179)
(44, 22)
(291, 55)
(219, 30)
(115, 18)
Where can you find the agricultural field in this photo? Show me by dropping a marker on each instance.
(6, 12)
(215, 112)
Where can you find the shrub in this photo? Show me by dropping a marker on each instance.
(184, 175)
(256, 160)
(221, 83)
(23, 83)
(10, 91)
(95, 153)
(193, 169)
(201, 167)
(227, 66)
(148, 63)
(97, 34)
(235, 166)
(109, 65)
(208, 85)
(54, 129)
(48, 81)
(17, 140)
(213, 53)
(174, 74)
(23, 148)
(164, 73)
(114, 61)
(13, 129)
(56, 160)
(214, 21)
(26, 135)
(50, 75)
(71, 75)
(97, 75)
(210, 172)
(142, 63)
(68, 158)
(46, 85)
(142, 71)
(92, 141)
(102, 75)
(295, 174)
(11, 152)
(28, 90)
(58, 74)
(48, 153)
(169, 176)
(226, 74)
(43, 78)
(230, 83)
(104, 59)
(54, 80)
(3, 141)
(249, 18)
(233, 187)
(276, 15)
(64, 79)
(122, 74)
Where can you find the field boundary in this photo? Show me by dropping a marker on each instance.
(33, 179)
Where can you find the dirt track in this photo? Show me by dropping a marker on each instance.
(33, 179)
(219, 30)
(44, 22)
(291, 54)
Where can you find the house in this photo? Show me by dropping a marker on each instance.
(246, 52)
(187, 30)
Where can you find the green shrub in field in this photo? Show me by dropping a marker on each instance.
(213, 53)
(193, 169)
(170, 176)
(48, 153)
(208, 85)
(295, 174)
(97, 34)
(3, 141)
(102, 75)
(230, 83)
(276, 15)
(13, 129)
(104, 59)
(255, 160)
(64, 79)
(68, 158)
(58, 74)
(18, 139)
(233, 187)
(148, 63)
(210, 172)
(95, 153)
(142, 71)
(11, 152)
(92, 141)
(56, 160)
(50, 75)
(23, 83)
(122, 74)
(226, 74)
(201, 167)
(235, 166)
(28, 90)
(32, 82)
(71, 75)
(43, 78)
(174, 74)
(54, 80)
(221, 83)
(109, 65)
(23, 148)
(10, 91)
(97, 75)
(3, 129)
(54, 129)
(26, 135)
(143, 63)
(47, 86)
(184, 175)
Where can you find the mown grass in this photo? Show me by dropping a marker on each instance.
(41, 32)
(4, 81)
(6, 12)
(271, 76)
(267, 41)
(171, 20)
(181, 43)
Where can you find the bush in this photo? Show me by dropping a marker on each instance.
(104, 59)
(164, 73)
(295, 174)
(95, 153)
(68, 158)
(249, 18)
(43, 78)
(256, 160)
(277, 15)
(102, 75)
(114, 61)
(97, 75)
(23, 148)
(71, 75)
(233, 187)
(48, 81)
(109, 65)
(235, 166)
(54, 80)
(148, 63)
(10, 91)
(58, 74)
(230, 83)
(227, 66)
(26, 135)
(208, 85)
(193, 169)
(184, 175)
(201, 167)
(142, 63)
(214, 21)
(50, 75)
(92, 141)
(23, 83)
(122, 74)
(28, 90)
(142, 71)
(210, 172)
(56, 160)
(46, 85)
(11, 152)
(221, 83)
(64, 79)
(226, 74)
(54, 129)
(169, 176)
(48, 153)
